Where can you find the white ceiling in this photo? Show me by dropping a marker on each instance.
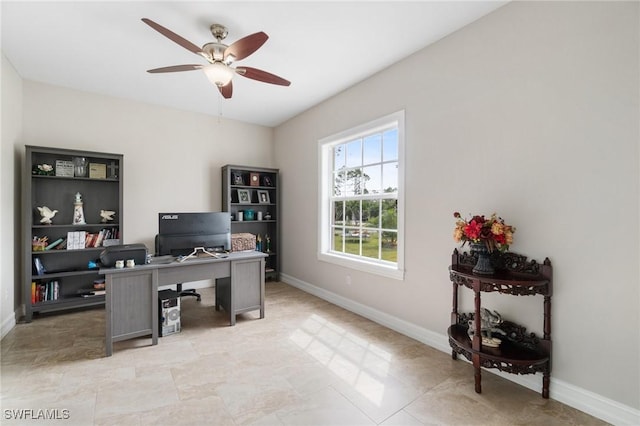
(321, 47)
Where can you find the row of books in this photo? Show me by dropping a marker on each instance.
(82, 239)
(42, 292)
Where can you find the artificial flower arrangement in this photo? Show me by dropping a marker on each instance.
(43, 169)
(493, 232)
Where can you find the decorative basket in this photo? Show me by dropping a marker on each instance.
(243, 242)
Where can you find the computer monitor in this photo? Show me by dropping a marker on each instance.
(180, 233)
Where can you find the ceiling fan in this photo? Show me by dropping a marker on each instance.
(220, 57)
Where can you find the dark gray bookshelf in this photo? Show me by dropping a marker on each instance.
(68, 267)
(255, 181)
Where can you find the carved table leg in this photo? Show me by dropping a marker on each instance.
(454, 315)
(545, 385)
(477, 377)
(546, 378)
(476, 343)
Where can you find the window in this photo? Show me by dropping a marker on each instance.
(361, 197)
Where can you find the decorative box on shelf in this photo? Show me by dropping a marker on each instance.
(97, 171)
(243, 242)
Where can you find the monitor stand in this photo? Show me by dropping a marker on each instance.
(196, 252)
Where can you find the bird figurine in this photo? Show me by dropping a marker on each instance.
(106, 215)
(47, 214)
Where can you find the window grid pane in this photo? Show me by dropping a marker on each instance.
(364, 201)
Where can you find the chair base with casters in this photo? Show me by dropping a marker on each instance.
(188, 292)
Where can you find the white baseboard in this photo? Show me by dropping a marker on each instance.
(8, 323)
(591, 403)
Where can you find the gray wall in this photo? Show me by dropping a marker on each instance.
(531, 112)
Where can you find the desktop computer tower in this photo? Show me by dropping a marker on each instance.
(168, 312)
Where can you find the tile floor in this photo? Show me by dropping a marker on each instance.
(307, 363)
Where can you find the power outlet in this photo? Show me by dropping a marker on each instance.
(348, 279)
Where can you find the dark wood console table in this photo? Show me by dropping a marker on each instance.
(519, 352)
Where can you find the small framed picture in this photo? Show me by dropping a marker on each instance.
(263, 197)
(64, 168)
(244, 196)
(254, 179)
(266, 181)
(38, 266)
(237, 178)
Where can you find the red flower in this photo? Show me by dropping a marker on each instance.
(473, 229)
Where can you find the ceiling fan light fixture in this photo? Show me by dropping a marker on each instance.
(220, 57)
(218, 73)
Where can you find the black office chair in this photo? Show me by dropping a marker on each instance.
(181, 292)
(187, 292)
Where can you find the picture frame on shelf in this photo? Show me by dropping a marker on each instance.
(263, 197)
(64, 168)
(267, 181)
(38, 266)
(254, 179)
(244, 196)
(237, 178)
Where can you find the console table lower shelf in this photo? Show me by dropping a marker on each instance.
(132, 293)
(517, 354)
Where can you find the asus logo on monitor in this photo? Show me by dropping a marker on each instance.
(169, 216)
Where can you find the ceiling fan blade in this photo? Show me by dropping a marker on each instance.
(173, 37)
(246, 46)
(176, 68)
(226, 90)
(263, 76)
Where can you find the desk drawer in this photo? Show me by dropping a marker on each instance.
(181, 274)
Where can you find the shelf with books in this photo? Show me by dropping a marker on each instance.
(49, 292)
(82, 193)
(57, 240)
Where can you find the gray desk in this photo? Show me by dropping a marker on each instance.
(132, 293)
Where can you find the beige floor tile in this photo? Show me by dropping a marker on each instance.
(308, 362)
(326, 407)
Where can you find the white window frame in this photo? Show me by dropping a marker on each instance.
(325, 190)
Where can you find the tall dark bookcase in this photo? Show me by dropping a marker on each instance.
(254, 192)
(60, 277)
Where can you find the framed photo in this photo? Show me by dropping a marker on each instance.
(263, 197)
(64, 168)
(266, 181)
(38, 266)
(244, 196)
(237, 178)
(254, 179)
